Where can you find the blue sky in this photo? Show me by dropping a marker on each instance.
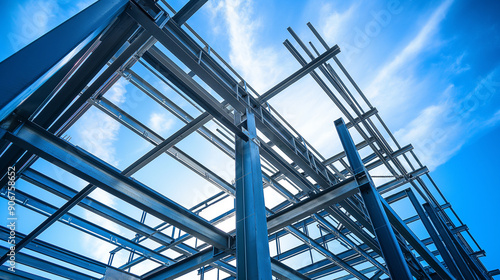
(432, 70)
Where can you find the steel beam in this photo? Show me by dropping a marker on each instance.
(59, 253)
(433, 234)
(18, 274)
(312, 205)
(52, 219)
(90, 204)
(391, 185)
(100, 174)
(232, 92)
(330, 228)
(155, 139)
(148, 157)
(169, 142)
(107, 45)
(285, 272)
(413, 240)
(187, 11)
(47, 266)
(306, 69)
(97, 231)
(457, 258)
(17, 83)
(393, 256)
(191, 263)
(325, 252)
(253, 260)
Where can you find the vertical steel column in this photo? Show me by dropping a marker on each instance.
(449, 242)
(253, 260)
(391, 252)
(434, 236)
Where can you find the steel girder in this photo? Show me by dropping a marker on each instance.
(100, 174)
(47, 266)
(77, 31)
(61, 254)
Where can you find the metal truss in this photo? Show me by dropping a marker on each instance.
(329, 205)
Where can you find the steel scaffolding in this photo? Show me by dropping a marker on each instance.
(332, 216)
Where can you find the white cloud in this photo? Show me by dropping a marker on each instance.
(255, 62)
(33, 18)
(333, 23)
(457, 66)
(397, 88)
(160, 122)
(441, 129)
(493, 120)
(411, 50)
(434, 141)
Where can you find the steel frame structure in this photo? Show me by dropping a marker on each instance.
(337, 198)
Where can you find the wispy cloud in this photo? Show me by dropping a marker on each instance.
(255, 62)
(441, 129)
(333, 23)
(160, 122)
(34, 18)
(384, 81)
(458, 65)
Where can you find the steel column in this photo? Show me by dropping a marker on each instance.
(253, 260)
(462, 265)
(393, 256)
(435, 238)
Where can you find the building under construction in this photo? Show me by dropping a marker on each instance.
(331, 220)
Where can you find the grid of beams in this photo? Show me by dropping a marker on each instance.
(329, 206)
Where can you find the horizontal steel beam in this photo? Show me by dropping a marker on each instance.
(191, 263)
(401, 181)
(306, 69)
(44, 265)
(18, 274)
(169, 142)
(325, 252)
(59, 253)
(312, 205)
(285, 272)
(98, 173)
(90, 204)
(187, 11)
(88, 227)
